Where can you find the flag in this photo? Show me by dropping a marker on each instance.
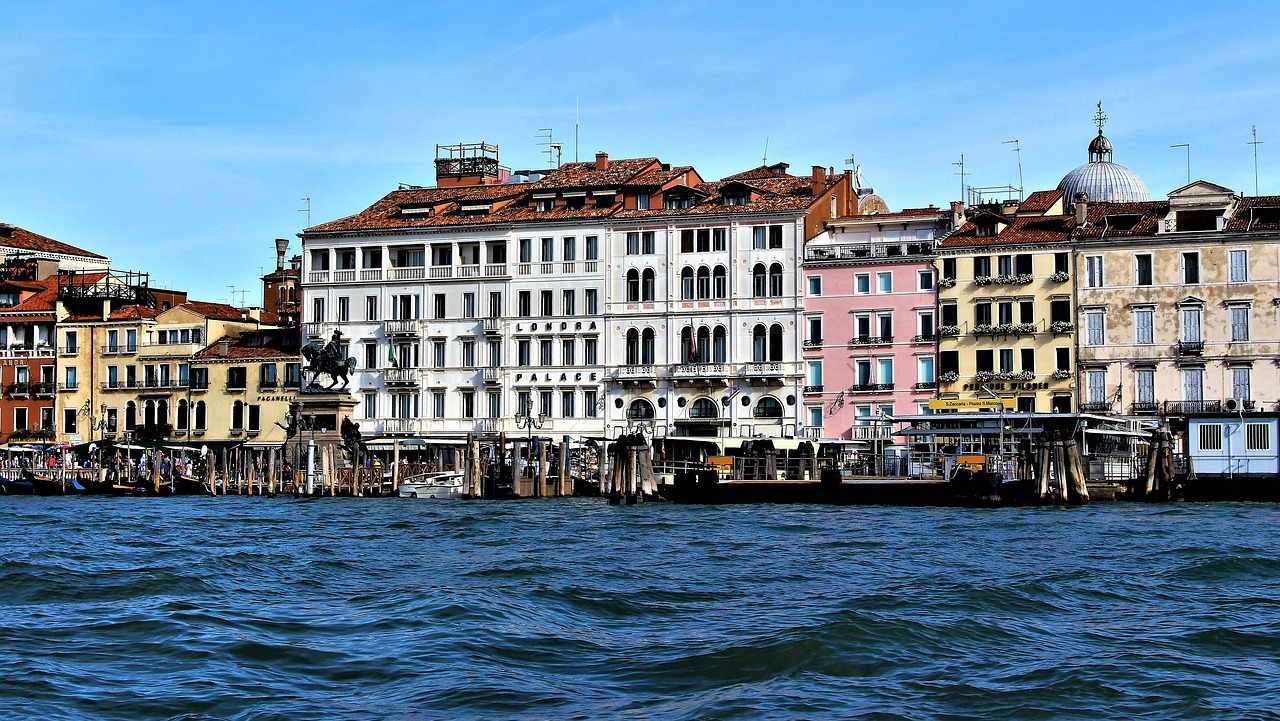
(693, 347)
(391, 354)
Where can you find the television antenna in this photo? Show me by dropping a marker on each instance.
(1255, 145)
(242, 293)
(306, 199)
(553, 148)
(1188, 147)
(961, 174)
(765, 160)
(1017, 149)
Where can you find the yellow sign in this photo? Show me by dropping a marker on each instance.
(951, 404)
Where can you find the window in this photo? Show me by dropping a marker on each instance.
(292, 375)
(815, 285)
(640, 409)
(768, 407)
(1026, 311)
(1004, 265)
(815, 373)
(775, 280)
(468, 305)
(1004, 311)
(1095, 332)
(759, 281)
(524, 305)
(924, 325)
(344, 309)
(1144, 380)
(592, 306)
(884, 368)
(1210, 436)
(1192, 384)
(1144, 326)
(775, 236)
(924, 280)
(589, 350)
(69, 420)
(548, 250)
(237, 416)
(546, 205)
(1257, 437)
(72, 343)
(719, 238)
(70, 377)
(719, 283)
(646, 242)
(589, 403)
(371, 307)
(317, 310)
(647, 285)
(570, 249)
(1062, 359)
(1241, 383)
(924, 369)
(370, 404)
(647, 347)
(950, 314)
(566, 303)
(1190, 268)
(437, 404)
(495, 353)
(686, 284)
(544, 403)
(495, 304)
(981, 266)
(686, 241)
(255, 418)
(1239, 322)
(267, 377)
(1095, 387)
(201, 416)
(1238, 266)
(526, 249)
(1093, 271)
(566, 404)
(633, 244)
(547, 303)
(1143, 271)
(1028, 359)
(495, 405)
(437, 353)
(815, 330)
(949, 268)
(544, 351)
(468, 354)
(1061, 262)
(468, 404)
(759, 237)
(1006, 360)
(567, 354)
(949, 361)
(236, 378)
(884, 282)
(1022, 264)
(704, 283)
(982, 314)
(1191, 325)
(862, 283)
(592, 244)
(642, 201)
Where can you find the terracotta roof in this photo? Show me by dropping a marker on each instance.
(585, 175)
(904, 213)
(1019, 231)
(1040, 201)
(1246, 218)
(237, 350)
(1096, 226)
(777, 170)
(41, 296)
(128, 312)
(215, 311)
(12, 236)
(779, 195)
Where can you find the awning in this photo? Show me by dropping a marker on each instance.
(1117, 432)
(967, 432)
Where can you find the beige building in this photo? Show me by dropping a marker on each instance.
(242, 386)
(1178, 303)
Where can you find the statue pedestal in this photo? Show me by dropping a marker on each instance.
(322, 413)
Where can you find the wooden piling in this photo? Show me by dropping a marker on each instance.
(1079, 489)
(561, 489)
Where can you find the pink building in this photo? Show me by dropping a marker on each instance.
(870, 323)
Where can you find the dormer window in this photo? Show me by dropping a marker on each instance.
(1125, 221)
(546, 205)
(677, 202)
(575, 201)
(475, 211)
(736, 199)
(986, 230)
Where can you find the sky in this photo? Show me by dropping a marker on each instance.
(181, 138)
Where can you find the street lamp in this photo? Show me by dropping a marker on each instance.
(526, 420)
(308, 423)
(1000, 405)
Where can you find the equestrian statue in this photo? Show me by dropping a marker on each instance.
(328, 359)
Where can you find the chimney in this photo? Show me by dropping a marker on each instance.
(224, 347)
(602, 160)
(818, 179)
(957, 213)
(106, 310)
(1082, 208)
(282, 246)
(850, 198)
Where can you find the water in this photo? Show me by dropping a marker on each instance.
(245, 608)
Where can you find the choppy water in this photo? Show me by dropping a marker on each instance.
(242, 608)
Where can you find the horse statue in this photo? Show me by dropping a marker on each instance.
(328, 359)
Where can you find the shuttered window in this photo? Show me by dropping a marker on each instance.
(1211, 437)
(1144, 327)
(1238, 260)
(1094, 328)
(1191, 325)
(1145, 381)
(1239, 323)
(1193, 384)
(1257, 437)
(1241, 383)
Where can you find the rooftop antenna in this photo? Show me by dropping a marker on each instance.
(306, 199)
(765, 159)
(1255, 145)
(1188, 147)
(852, 161)
(553, 148)
(1018, 149)
(961, 174)
(242, 293)
(575, 128)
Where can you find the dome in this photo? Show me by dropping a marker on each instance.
(1103, 181)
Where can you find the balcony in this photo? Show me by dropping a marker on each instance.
(871, 388)
(1144, 408)
(469, 271)
(491, 326)
(763, 373)
(872, 432)
(591, 266)
(1189, 347)
(400, 426)
(412, 272)
(69, 350)
(1184, 408)
(870, 340)
(695, 373)
(400, 377)
(924, 338)
(313, 330)
(68, 387)
(441, 271)
(120, 349)
(371, 274)
(344, 276)
(813, 389)
(18, 390)
(636, 374)
(813, 343)
(1095, 407)
(44, 389)
(318, 276)
(925, 386)
(202, 385)
(491, 376)
(495, 270)
(401, 328)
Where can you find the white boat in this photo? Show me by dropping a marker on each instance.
(445, 484)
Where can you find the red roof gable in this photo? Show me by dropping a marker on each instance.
(12, 236)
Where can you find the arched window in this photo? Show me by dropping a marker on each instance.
(646, 347)
(719, 283)
(775, 342)
(775, 280)
(686, 344)
(149, 413)
(180, 421)
(237, 415)
(704, 408)
(759, 344)
(201, 420)
(647, 285)
(768, 407)
(719, 346)
(704, 344)
(130, 416)
(633, 347)
(633, 286)
(759, 281)
(686, 284)
(704, 283)
(162, 411)
(640, 410)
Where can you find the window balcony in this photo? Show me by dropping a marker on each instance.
(18, 390)
(1144, 408)
(1095, 407)
(813, 388)
(400, 426)
(68, 387)
(495, 270)
(813, 343)
(412, 272)
(637, 374)
(924, 338)
(1189, 347)
(925, 386)
(1184, 408)
(371, 274)
(401, 377)
(869, 340)
(44, 389)
(119, 349)
(694, 373)
(401, 328)
(344, 276)
(492, 326)
(491, 376)
(871, 387)
(871, 432)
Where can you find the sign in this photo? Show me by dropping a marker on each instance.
(949, 404)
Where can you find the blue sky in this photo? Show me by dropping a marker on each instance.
(179, 138)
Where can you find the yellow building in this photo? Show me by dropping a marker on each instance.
(242, 386)
(1005, 306)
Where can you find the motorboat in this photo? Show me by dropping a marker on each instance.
(442, 485)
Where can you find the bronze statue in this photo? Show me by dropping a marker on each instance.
(328, 359)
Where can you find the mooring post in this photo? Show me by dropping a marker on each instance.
(561, 489)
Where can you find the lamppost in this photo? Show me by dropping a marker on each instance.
(526, 420)
(1000, 405)
(308, 423)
